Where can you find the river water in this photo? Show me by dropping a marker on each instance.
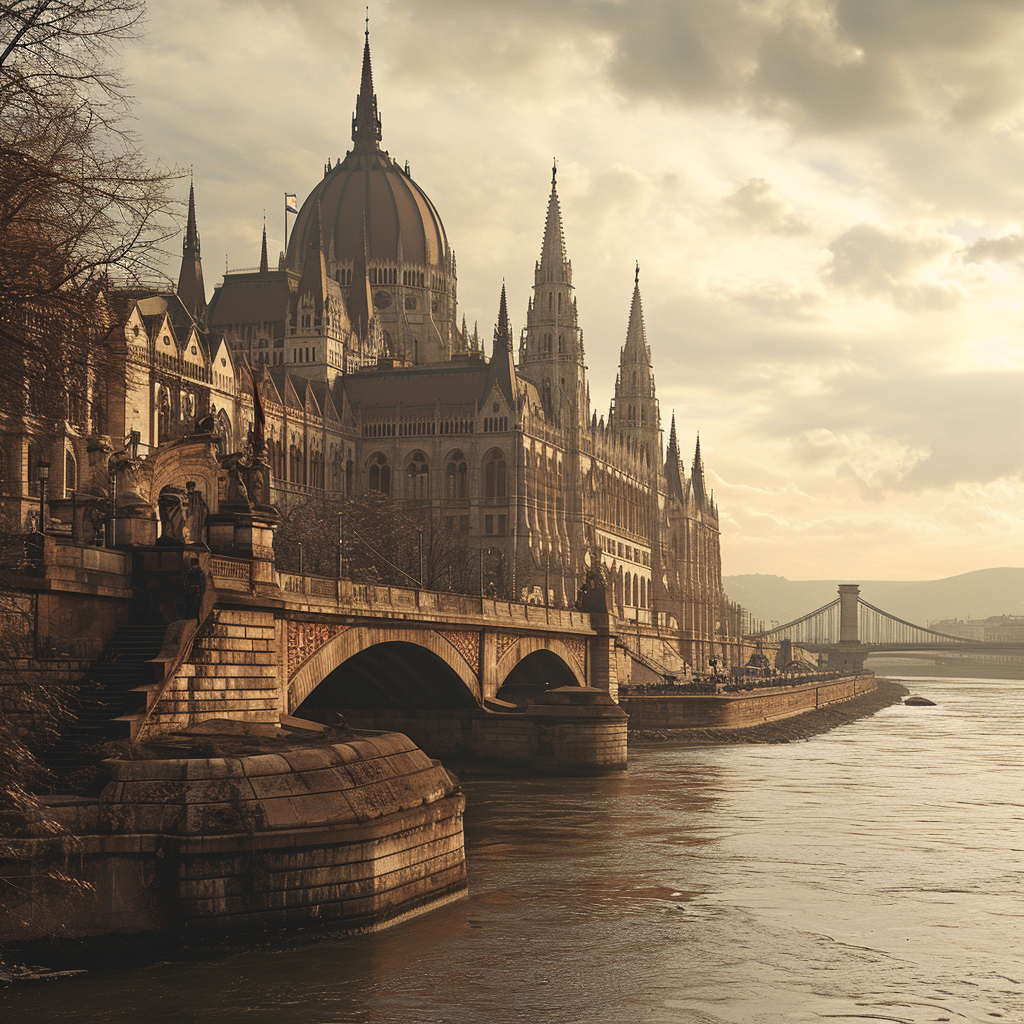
(872, 873)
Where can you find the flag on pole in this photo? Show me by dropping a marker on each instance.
(290, 204)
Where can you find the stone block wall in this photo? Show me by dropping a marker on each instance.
(735, 710)
(234, 671)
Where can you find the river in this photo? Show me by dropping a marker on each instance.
(872, 873)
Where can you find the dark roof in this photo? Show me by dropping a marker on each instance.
(455, 387)
(252, 298)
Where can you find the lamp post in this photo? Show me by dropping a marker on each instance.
(43, 472)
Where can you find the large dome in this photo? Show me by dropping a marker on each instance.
(368, 196)
(369, 187)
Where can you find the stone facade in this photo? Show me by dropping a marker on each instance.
(369, 382)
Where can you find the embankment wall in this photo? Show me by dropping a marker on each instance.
(736, 710)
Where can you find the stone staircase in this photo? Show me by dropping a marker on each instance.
(108, 699)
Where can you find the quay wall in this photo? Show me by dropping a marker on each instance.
(736, 710)
(358, 833)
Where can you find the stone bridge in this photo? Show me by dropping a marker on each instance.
(453, 672)
(458, 674)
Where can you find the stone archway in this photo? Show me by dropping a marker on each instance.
(535, 664)
(412, 668)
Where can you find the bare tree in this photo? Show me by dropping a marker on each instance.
(379, 540)
(77, 199)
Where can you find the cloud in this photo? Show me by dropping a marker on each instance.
(1000, 250)
(874, 262)
(756, 206)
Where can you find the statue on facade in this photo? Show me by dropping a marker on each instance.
(593, 595)
(173, 522)
(196, 512)
(237, 493)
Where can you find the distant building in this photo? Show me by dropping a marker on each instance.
(370, 382)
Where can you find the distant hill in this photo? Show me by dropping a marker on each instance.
(974, 595)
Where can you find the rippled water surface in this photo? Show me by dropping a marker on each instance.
(873, 873)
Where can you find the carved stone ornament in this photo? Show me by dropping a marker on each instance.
(578, 647)
(503, 643)
(305, 639)
(468, 645)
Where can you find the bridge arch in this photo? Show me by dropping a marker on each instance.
(534, 664)
(387, 668)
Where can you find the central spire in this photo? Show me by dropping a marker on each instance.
(366, 121)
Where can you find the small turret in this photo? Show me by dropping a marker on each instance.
(191, 289)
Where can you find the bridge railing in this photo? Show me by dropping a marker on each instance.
(346, 595)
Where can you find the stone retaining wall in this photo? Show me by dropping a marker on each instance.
(359, 833)
(735, 710)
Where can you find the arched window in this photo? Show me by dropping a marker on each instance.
(349, 474)
(456, 476)
(70, 474)
(417, 478)
(636, 590)
(495, 475)
(643, 591)
(380, 474)
(628, 588)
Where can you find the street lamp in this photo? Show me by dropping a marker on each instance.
(43, 472)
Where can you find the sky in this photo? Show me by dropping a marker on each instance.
(826, 200)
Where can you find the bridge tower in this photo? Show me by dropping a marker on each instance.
(850, 653)
(849, 618)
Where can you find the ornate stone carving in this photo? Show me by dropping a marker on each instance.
(503, 643)
(468, 645)
(305, 639)
(578, 646)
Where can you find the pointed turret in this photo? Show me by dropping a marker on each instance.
(553, 259)
(636, 351)
(697, 477)
(503, 367)
(673, 477)
(635, 413)
(551, 349)
(264, 262)
(502, 330)
(313, 283)
(191, 290)
(366, 131)
(360, 298)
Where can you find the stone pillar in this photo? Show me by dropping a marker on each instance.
(849, 619)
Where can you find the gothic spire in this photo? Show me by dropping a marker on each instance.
(191, 289)
(366, 121)
(264, 262)
(697, 476)
(313, 282)
(503, 367)
(190, 246)
(636, 350)
(554, 263)
(673, 477)
(503, 330)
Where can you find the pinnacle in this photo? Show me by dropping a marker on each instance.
(191, 244)
(503, 330)
(264, 262)
(635, 350)
(552, 255)
(366, 131)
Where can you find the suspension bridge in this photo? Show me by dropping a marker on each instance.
(849, 629)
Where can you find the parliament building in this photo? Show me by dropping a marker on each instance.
(370, 381)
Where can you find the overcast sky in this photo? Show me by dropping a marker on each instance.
(826, 200)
